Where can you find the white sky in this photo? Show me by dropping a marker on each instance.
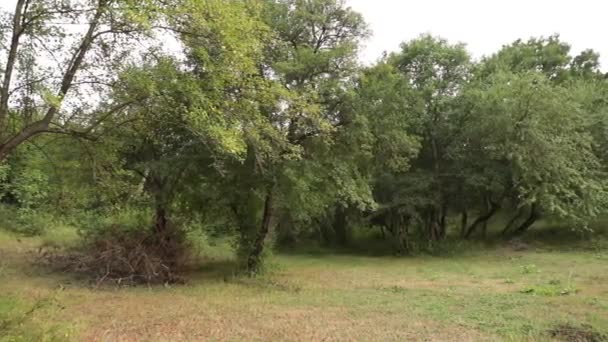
(484, 25)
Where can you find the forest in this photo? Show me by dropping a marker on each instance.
(143, 140)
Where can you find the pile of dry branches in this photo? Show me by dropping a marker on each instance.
(125, 257)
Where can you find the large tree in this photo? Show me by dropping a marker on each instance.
(58, 59)
(311, 57)
(437, 72)
(527, 143)
(188, 119)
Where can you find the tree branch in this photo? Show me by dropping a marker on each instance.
(10, 64)
(74, 65)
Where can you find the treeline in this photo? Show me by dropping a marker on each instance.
(254, 119)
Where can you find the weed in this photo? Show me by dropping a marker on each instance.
(395, 289)
(556, 282)
(529, 269)
(550, 290)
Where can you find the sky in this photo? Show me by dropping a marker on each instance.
(483, 25)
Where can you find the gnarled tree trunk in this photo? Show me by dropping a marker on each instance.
(511, 223)
(254, 259)
(464, 218)
(483, 219)
(401, 225)
(9, 143)
(433, 225)
(532, 218)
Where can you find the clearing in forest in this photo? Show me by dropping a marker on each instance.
(544, 292)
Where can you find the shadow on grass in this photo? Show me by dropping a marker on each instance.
(20, 255)
(386, 248)
(546, 236)
(561, 238)
(211, 270)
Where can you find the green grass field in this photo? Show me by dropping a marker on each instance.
(488, 294)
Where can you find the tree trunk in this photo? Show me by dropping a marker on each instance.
(401, 231)
(433, 225)
(443, 229)
(9, 67)
(430, 225)
(484, 227)
(254, 260)
(160, 220)
(512, 222)
(532, 218)
(340, 226)
(482, 219)
(400, 227)
(165, 237)
(7, 145)
(437, 219)
(463, 223)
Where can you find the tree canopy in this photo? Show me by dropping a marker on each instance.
(256, 120)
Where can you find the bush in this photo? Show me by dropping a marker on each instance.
(90, 223)
(26, 221)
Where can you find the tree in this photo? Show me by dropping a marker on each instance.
(310, 57)
(548, 55)
(382, 103)
(47, 66)
(188, 119)
(532, 135)
(554, 70)
(437, 72)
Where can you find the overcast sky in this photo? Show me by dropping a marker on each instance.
(484, 25)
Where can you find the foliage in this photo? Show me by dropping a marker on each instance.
(536, 133)
(550, 290)
(253, 122)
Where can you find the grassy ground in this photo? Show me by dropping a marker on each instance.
(493, 294)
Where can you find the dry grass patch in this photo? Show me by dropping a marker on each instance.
(278, 324)
(330, 298)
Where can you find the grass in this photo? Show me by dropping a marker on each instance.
(483, 294)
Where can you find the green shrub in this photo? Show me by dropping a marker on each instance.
(128, 218)
(551, 289)
(26, 221)
(529, 269)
